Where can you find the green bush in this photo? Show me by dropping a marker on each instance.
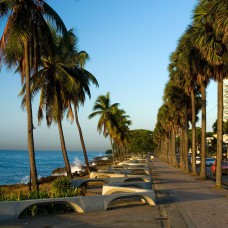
(61, 187)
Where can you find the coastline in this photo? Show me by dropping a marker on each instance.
(14, 164)
(45, 182)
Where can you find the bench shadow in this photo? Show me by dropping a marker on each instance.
(53, 220)
(166, 196)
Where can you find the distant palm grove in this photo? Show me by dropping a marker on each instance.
(37, 45)
(200, 56)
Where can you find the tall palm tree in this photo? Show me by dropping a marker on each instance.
(172, 97)
(78, 98)
(195, 69)
(25, 32)
(120, 130)
(83, 57)
(78, 61)
(162, 133)
(54, 80)
(184, 63)
(105, 110)
(210, 42)
(182, 98)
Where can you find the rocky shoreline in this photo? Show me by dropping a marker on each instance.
(97, 163)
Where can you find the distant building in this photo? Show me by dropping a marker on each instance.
(225, 100)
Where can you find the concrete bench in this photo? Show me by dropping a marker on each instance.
(114, 175)
(127, 179)
(11, 210)
(139, 185)
(128, 169)
(117, 167)
(110, 189)
(139, 164)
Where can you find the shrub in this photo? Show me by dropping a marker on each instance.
(61, 187)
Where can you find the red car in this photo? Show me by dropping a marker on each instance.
(224, 167)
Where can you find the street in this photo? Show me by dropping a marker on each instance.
(224, 176)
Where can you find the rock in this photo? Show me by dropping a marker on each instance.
(59, 171)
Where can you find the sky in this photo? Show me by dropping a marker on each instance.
(129, 43)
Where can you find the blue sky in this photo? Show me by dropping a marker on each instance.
(129, 43)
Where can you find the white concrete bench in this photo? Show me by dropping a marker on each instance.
(117, 167)
(114, 175)
(139, 185)
(11, 210)
(127, 179)
(110, 189)
(128, 169)
(139, 164)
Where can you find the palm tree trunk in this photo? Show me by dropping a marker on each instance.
(82, 139)
(64, 152)
(122, 152)
(113, 155)
(203, 134)
(31, 151)
(186, 139)
(167, 150)
(170, 161)
(173, 138)
(161, 150)
(219, 133)
(182, 164)
(194, 171)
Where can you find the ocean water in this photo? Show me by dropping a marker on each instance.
(14, 164)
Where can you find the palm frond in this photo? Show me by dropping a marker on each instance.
(54, 17)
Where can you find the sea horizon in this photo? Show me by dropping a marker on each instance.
(52, 150)
(14, 164)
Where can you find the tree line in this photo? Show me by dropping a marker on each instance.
(200, 56)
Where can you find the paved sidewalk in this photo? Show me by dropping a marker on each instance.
(199, 203)
(182, 202)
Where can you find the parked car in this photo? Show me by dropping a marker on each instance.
(224, 167)
(210, 161)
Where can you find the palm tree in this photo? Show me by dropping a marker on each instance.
(172, 114)
(161, 134)
(210, 42)
(54, 80)
(25, 32)
(195, 69)
(79, 98)
(83, 57)
(184, 63)
(120, 130)
(182, 102)
(77, 60)
(105, 110)
(60, 83)
(165, 119)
